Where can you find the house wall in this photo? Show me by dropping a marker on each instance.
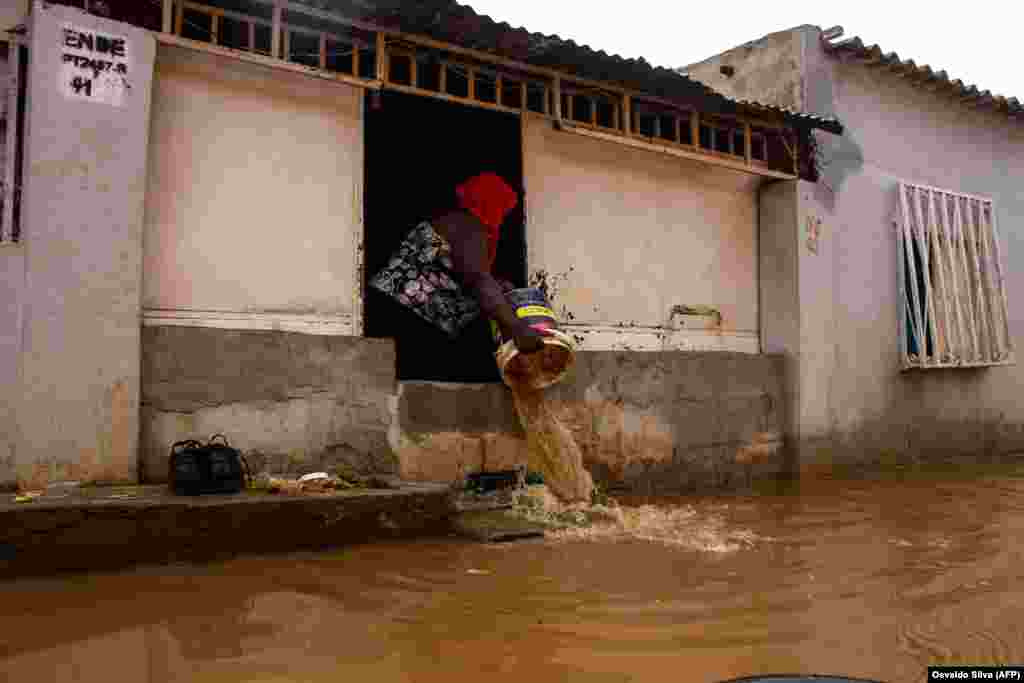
(626, 235)
(297, 403)
(12, 13)
(253, 196)
(12, 283)
(898, 132)
(766, 70)
(851, 402)
(77, 391)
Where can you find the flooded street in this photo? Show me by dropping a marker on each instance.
(876, 577)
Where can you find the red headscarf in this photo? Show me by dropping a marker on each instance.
(488, 197)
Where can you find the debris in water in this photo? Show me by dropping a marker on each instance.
(478, 572)
(681, 526)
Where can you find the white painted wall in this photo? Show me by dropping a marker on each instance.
(253, 196)
(12, 282)
(841, 311)
(84, 184)
(643, 231)
(849, 290)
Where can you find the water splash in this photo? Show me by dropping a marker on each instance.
(682, 526)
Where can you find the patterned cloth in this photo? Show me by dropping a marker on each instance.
(419, 276)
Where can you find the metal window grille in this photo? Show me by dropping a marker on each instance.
(952, 280)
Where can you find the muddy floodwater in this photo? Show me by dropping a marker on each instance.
(875, 577)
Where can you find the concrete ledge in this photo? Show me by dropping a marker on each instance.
(101, 532)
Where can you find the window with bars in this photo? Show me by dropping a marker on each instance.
(953, 281)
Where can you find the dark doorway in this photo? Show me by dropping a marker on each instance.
(417, 150)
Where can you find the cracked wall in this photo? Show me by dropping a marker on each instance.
(297, 403)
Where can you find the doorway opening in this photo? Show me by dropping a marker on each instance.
(417, 150)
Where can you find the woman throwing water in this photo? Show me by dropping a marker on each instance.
(442, 270)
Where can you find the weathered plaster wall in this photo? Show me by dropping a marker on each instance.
(293, 402)
(626, 235)
(895, 131)
(12, 283)
(778, 256)
(766, 70)
(646, 421)
(82, 232)
(297, 403)
(253, 196)
(851, 402)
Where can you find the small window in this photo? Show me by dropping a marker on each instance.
(12, 131)
(953, 279)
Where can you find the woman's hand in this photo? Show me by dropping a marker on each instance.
(529, 340)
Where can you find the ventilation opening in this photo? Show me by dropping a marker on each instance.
(417, 150)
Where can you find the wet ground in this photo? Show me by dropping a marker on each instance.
(875, 577)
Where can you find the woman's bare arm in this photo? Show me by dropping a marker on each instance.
(468, 241)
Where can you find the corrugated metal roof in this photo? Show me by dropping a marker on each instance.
(924, 74)
(452, 22)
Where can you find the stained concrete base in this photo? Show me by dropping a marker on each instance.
(117, 528)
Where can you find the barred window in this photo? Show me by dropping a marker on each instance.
(953, 281)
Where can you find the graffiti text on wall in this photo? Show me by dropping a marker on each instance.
(94, 65)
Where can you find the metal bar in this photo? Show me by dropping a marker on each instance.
(615, 115)
(286, 44)
(989, 285)
(979, 293)
(946, 317)
(940, 211)
(929, 299)
(1002, 278)
(214, 29)
(323, 50)
(471, 83)
(963, 207)
(909, 240)
(748, 144)
(958, 223)
(556, 98)
(355, 61)
(167, 25)
(275, 30)
(523, 94)
(695, 129)
(627, 115)
(902, 288)
(656, 127)
(677, 130)
(592, 102)
(382, 58)
(252, 36)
